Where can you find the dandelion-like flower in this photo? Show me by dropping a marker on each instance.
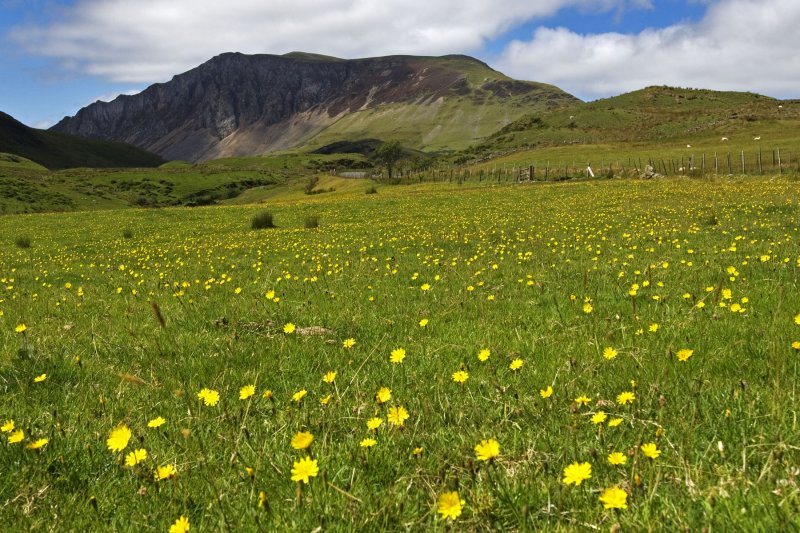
(329, 377)
(374, 423)
(304, 469)
(617, 458)
(397, 355)
(650, 450)
(516, 364)
(599, 417)
(247, 391)
(156, 422)
(449, 505)
(423, 322)
(8, 426)
(460, 376)
(22, 327)
(383, 395)
(35, 445)
(583, 400)
(486, 450)
(625, 398)
(684, 354)
(210, 397)
(118, 438)
(348, 343)
(397, 415)
(614, 422)
(609, 353)
(577, 473)
(165, 472)
(614, 498)
(135, 457)
(181, 525)
(302, 440)
(546, 392)
(289, 328)
(16, 436)
(368, 443)
(299, 395)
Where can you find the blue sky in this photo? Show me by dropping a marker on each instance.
(59, 56)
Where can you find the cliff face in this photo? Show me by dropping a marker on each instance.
(236, 104)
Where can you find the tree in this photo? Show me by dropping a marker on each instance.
(388, 154)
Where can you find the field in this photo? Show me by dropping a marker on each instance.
(618, 355)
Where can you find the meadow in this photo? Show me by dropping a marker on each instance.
(600, 355)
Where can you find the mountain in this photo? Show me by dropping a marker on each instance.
(240, 105)
(58, 150)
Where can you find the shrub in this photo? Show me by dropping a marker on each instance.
(262, 220)
(127, 233)
(371, 190)
(23, 242)
(312, 221)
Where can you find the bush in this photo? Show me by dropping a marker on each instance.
(312, 221)
(23, 242)
(127, 233)
(371, 190)
(262, 220)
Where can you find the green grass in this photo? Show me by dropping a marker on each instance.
(129, 329)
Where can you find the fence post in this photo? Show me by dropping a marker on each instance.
(780, 167)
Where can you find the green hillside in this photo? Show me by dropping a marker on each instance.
(58, 151)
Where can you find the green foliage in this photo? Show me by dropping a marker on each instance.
(311, 221)
(388, 154)
(263, 220)
(22, 241)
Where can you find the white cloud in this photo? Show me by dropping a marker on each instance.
(742, 45)
(150, 40)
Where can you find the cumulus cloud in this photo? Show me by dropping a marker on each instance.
(742, 45)
(143, 41)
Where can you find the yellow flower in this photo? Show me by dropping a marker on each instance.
(583, 400)
(349, 343)
(626, 397)
(796, 345)
(516, 364)
(425, 287)
(165, 472)
(460, 376)
(22, 327)
(16, 437)
(484, 354)
(653, 328)
(617, 458)
(449, 505)
(486, 450)
(397, 356)
(383, 395)
(650, 450)
(329, 377)
(262, 499)
(288, 328)
(267, 394)
(417, 451)
(304, 469)
(374, 423)
(614, 422)
(299, 395)
(614, 498)
(609, 353)
(325, 399)
(247, 391)
(599, 417)
(546, 393)
(8, 427)
(135, 457)
(368, 443)
(302, 440)
(37, 444)
(156, 422)
(210, 397)
(181, 525)
(40, 378)
(684, 354)
(423, 322)
(118, 438)
(397, 416)
(796, 319)
(587, 308)
(577, 473)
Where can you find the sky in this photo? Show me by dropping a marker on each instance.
(58, 56)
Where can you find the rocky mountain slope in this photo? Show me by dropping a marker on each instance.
(237, 105)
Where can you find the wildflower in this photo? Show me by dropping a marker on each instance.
(614, 422)
(486, 450)
(349, 343)
(8, 426)
(37, 444)
(460, 376)
(289, 328)
(614, 498)
(609, 353)
(304, 469)
(449, 505)
(16, 436)
(368, 443)
(397, 415)
(587, 308)
(262, 499)
(40, 378)
(650, 450)
(484, 354)
(383, 395)
(118, 438)
(684, 354)
(796, 319)
(181, 525)
(210, 397)
(156, 422)
(135, 457)
(165, 472)
(599, 417)
(617, 458)
(299, 395)
(267, 394)
(417, 451)
(302, 440)
(329, 377)
(247, 391)
(516, 364)
(653, 328)
(625, 398)
(374, 423)
(546, 393)
(583, 400)
(22, 327)
(796, 345)
(425, 287)
(423, 322)
(577, 473)
(397, 356)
